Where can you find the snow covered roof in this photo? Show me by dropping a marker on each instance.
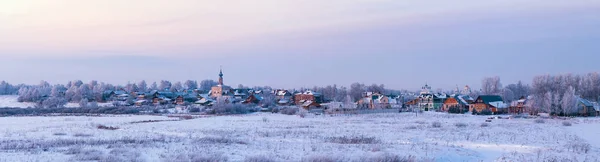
(283, 101)
(596, 106)
(585, 102)
(499, 104)
(307, 103)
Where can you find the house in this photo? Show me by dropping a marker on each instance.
(519, 106)
(585, 107)
(109, 95)
(458, 101)
(204, 102)
(490, 102)
(377, 100)
(140, 102)
(429, 101)
(596, 107)
(301, 98)
(283, 97)
(308, 105)
(253, 99)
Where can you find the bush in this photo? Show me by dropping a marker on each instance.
(258, 159)
(194, 110)
(485, 125)
(389, 158)
(107, 127)
(201, 158)
(539, 121)
(289, 111)
(486, 112)
(461, 125)
(566, 123)
(320, 159)
(456, 110)
(436, 124)
(353, 140)
(230, 109)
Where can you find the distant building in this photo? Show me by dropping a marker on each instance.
(314, 97)
(220, 89)
(493, 103)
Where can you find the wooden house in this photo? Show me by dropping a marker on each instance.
(585, 107)
(458, 101)
(490, 102)
(315, 97)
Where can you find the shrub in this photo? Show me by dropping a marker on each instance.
(578, 145)
(486, 112)
(436, 124)
(456, 110)
(194, 110)
(265, 119)
(320, 159)
(353, 140)
(258, 159)
(389, 158)
(59, 134)
(461, 125)
(485, 125)
(201, 158)
(81, 135)
(566, 123)
(220, 140)
(411, 127)
(539, 121)
(289, 111)
(107, 127)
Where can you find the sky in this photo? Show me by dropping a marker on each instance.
(298, 43)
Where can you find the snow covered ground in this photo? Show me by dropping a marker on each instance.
(12, 102)
(426, 137)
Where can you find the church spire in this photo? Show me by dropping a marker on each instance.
(221, 75)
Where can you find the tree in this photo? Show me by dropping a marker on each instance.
(508, 95)
(547, 103)
(154, 86)
(164, 85)
(177, 87)
(57, 90)
(491, 86)
(569, 102)
(356, 91)
(191, 84)
(142, 86)
(206, 85)
(83, 103)
(54, 102)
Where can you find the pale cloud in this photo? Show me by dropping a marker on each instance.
(159, 27)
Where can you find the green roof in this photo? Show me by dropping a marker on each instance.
(490, 98)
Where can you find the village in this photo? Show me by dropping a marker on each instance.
(459, 101)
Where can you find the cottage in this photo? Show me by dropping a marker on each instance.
(489, 102)
(585, 107)
(283, 97)
(253, 99)
(300, 98)
(457, 101)
(520, 106)
(308, 105)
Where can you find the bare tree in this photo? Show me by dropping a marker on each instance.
(491, 86)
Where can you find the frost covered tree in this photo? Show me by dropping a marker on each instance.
(164, 85)
(356, 91)
(191, 85)
(569, 102)
(57, 90)
(83, 103)
(71, 94)
(54, 102)
(205, 85)
(508, 95)
(142, 86)
(177, 87)
(153, 86)
(519, 89)
(547, 104)
(491, 86)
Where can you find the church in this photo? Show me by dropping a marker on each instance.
(220, 89)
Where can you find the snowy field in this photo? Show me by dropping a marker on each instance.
(371, 137)
(12, 102)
